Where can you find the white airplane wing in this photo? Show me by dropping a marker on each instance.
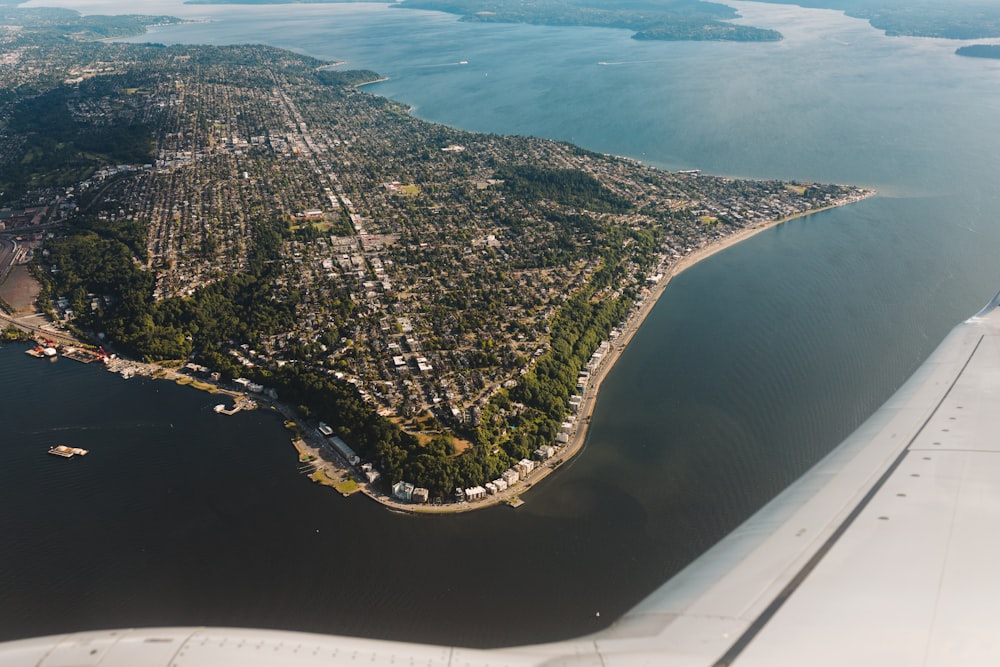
(887, 552)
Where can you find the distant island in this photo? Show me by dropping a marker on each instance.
(676, 20)
(980, 51)
(946, 19)
(699, 20)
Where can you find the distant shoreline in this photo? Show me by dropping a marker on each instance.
(368, 83)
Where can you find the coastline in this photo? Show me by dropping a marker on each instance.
(592, 389)
(330, 470)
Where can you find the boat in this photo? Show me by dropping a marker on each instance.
(68, 452)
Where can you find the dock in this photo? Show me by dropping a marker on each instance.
(241, 403)
(77, 354)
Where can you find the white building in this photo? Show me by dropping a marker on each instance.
(345, 451)
(403, 491)
(545, 452)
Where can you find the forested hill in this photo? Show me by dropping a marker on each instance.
(948, 19)
(665, 19)
(650, 19)
(980, 51)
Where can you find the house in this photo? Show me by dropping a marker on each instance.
(420, 495)
(403, 491)
(545, 452)
(512, 477)
(525, 466)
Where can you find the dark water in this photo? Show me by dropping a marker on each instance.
(755, 362)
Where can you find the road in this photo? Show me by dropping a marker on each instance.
(9, 254)
(37, 329)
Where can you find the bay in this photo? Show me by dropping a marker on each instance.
(753, 365)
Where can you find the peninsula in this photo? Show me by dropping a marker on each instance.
(980, 51)
(435, 308)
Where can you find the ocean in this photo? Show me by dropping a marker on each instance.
(754, 364)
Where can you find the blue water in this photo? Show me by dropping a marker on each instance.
(753, 365)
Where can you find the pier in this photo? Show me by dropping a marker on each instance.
(78, 354)
(241, 403)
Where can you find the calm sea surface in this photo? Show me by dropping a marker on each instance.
(752, 366)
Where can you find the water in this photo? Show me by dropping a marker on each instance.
(754, 363)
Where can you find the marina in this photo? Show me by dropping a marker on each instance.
(45, 349)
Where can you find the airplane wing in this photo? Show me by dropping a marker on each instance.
(885, 553)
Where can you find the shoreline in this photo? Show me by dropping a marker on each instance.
(326, 462)
(591, 391)
(368, 83)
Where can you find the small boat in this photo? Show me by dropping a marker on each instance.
(67, 452)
